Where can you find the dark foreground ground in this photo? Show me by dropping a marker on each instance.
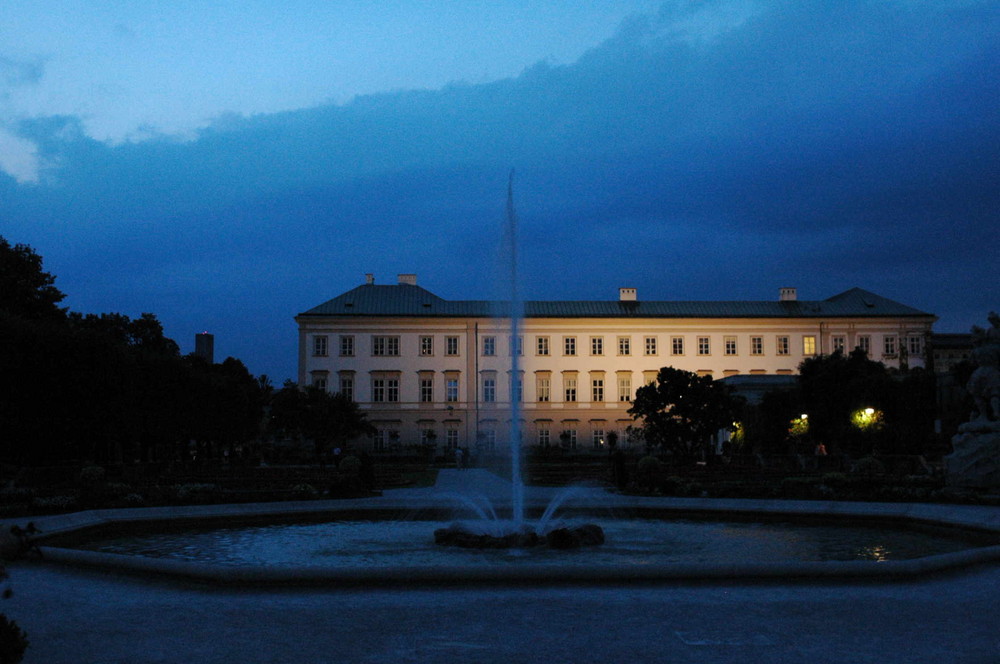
(74, 616)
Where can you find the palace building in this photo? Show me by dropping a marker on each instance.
(435, 371)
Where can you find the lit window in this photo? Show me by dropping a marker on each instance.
(319, 346)
(756, 345)
(782, 346)
(597, 438)
(677, 345)
(624, 388)
(809, 345)
(624, 345)
(569, 345)
(426, 390)
(730, 345)
(489, 390)
(704, 346)
(347, 345)
(489, 345)
(597, 345)
(650, 344)
(597, 389)
(451, 346)
(542, 388)
(385, 346)
(570, 388)
(451, 389)
(542, 345)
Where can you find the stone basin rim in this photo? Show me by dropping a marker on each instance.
(962, 517)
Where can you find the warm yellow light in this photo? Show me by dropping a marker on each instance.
(869, 411)
(803, 416)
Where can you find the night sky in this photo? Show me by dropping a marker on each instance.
(229, 167)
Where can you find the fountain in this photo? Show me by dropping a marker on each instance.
(492, 533)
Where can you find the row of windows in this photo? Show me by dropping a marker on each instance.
(544, 437)
(385, 389)
(388, 346)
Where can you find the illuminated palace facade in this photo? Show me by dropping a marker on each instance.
(434, 371)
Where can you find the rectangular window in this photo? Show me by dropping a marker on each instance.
(597, 389)
(597, 345)
(889, 346)
(624, 388)
(378, 390)
(451, 439)
(650, 343)
(347, 345)
(756, 345)
(569, 345)
(543, 438)
(624, 345)
(426, 390)
(385, 346)
(319, 346)
(916, 345)
(516, 389)
(427, 436)
(392, 390)
(704, 346)
(782, 347)
(570, 388)
(516, 345)
(542, 388)
(809, 345)
(730, 345)
(489, 346)
(320, 382)
(542, 345)
(426, 346)
(489, 439)
(347, 387)
(570, 435)
(677, 345)
(451, 346)
(839, 343)
(865, 344)
(597, 438)
(451, 389)
(489, 390)
(381, 440)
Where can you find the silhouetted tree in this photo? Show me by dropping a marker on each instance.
(26, 290)
(682, 410)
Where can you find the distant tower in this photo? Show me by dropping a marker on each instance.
(204, 346)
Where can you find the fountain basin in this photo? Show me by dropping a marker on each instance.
(981, 525)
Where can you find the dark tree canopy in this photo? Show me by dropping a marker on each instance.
(26, 290)
(682, 410)
(316, 415)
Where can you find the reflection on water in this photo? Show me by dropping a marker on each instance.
(629, 542)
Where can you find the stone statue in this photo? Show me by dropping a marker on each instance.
(975, 461)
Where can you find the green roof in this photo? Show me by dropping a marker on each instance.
(411, 300)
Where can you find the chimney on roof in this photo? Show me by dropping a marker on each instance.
(627, 295)
(408, 279)
(788, 294)
(369, 278)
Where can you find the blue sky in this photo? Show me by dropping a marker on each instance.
(228, 166)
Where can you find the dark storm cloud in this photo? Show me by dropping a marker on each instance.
(824, 145)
